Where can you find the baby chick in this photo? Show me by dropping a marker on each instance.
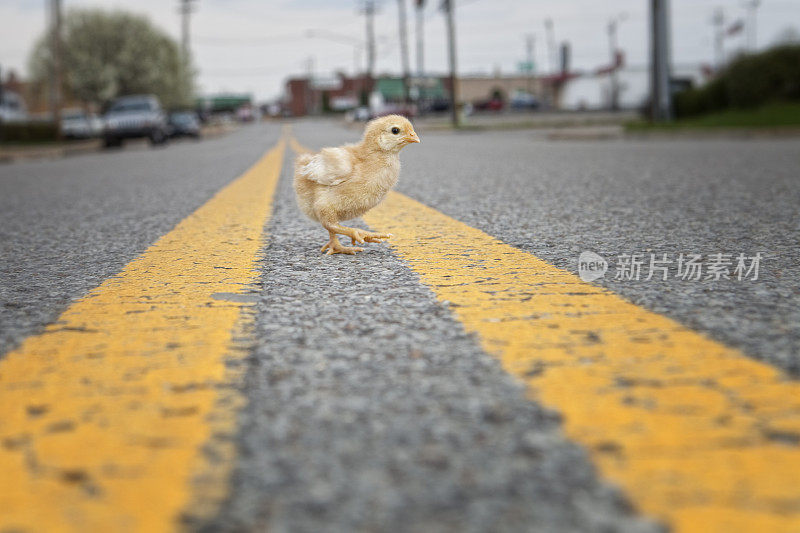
(342, 183)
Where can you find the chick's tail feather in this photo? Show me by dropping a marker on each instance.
(300, 163)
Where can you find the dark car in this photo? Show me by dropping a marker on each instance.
(524, 101)
(184, 124)
(492, 104)
(132, 117)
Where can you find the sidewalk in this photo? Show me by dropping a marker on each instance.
(21, 152)
(13, 153)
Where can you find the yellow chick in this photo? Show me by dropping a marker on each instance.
(343, 183)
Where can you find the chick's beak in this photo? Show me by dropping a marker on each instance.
(412, 138)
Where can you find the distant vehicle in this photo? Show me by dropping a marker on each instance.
(78, 124)
(524, 101)
(184, 124)
(245, 114)
(12, 107)
(360, 114)
(135, 117)
(492, 104)
(439, 105)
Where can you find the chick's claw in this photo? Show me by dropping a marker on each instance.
(335, 247)
(360, 236)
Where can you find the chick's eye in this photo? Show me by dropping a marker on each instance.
(395, 130)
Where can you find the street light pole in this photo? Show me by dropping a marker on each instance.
(719, 37)
(752, 24)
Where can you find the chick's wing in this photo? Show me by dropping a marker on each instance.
(330, 166)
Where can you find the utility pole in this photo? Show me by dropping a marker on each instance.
(369, 14)
(551, 44)
(449, 9)
(752, 24)
(613, 26)
(660, 96)
(718, 21)
(420, 38)
(186, 10)
(55, 72)
(401, 6)
(530, 42)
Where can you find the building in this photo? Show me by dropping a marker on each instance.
(309, 96)
(312, 96)
(474, 89)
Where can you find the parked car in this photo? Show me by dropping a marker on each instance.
(524, 101)
(492, 104)
(361, 114)
(245, 114)
(440, 105)
(12, 107)
(137, 116)
(184, 124)
(78, 124)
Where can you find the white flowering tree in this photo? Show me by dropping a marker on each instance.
(113, 53)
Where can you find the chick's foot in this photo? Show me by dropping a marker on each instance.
(333, 246)
(360, 236)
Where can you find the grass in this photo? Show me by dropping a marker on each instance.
(771, 116)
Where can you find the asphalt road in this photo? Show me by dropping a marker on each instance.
(369, 407)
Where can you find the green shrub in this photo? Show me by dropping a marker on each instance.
(749, 81)
(28, 132)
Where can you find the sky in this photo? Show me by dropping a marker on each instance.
(253, 46)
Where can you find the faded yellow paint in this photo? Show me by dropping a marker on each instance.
(105, 416)
(698, 435)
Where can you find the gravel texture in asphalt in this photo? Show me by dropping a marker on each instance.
(370, 409)
(68, 224)
(558, 199)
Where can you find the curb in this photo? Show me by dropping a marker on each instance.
(56, 152)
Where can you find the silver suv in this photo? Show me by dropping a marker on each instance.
(135, 116)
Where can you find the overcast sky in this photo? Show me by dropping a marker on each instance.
(254, 45)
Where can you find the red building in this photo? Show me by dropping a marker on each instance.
(312, 96)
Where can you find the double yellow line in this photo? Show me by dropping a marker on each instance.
(699, 436)
(105, 416)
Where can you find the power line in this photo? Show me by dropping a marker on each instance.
(248, 41)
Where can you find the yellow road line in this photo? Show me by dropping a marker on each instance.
(698, 435)
(104, 416)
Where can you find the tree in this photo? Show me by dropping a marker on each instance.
(111, 53)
